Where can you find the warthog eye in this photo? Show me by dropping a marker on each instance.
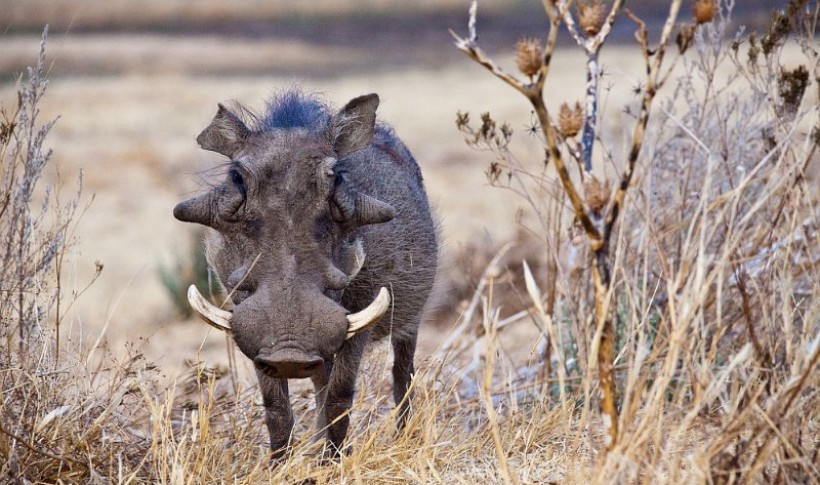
(238, 180)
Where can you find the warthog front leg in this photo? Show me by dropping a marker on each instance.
(320, 381)
(278, 414)
(403, 351)
(335, 389)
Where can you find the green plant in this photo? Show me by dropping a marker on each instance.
(189, 268)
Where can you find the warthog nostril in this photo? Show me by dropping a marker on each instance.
(288, 364)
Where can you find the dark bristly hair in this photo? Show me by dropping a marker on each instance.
(294, 109)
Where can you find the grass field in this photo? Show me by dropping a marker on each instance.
(142, 394)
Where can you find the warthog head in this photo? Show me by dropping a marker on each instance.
(285, 240)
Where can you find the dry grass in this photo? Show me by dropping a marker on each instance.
(716, 285)
(696, 301)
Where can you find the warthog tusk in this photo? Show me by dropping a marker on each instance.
(213, 316)
(360, 321)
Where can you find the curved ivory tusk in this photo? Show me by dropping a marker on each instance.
(360, 321)
(213, 316)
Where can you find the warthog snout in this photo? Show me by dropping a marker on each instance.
(288, 363)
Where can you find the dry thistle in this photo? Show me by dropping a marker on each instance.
(462, 121)
(754, 50)
(791, 85)
(704, 11)
(597, 193)
(570, 121)
(685, 36)
(529, 56)
(591, 16)
(6, 129)
(779, 29)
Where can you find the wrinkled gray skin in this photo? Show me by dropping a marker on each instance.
(298, 205)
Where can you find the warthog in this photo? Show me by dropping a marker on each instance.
(322, 236)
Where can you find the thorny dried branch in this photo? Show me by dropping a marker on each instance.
(597, 223)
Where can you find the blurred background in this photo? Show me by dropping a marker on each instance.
(133, 83)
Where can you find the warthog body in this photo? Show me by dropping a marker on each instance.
(317, 213)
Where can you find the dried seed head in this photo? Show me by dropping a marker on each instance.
(462, 121)
(528, 56)
(6, 129)
(791, 85)
(570, 121)
(704, 11)
(597, 193)
(591, 16)
(685, 36)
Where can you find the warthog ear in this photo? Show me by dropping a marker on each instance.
(225, 135)
(354, 125)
